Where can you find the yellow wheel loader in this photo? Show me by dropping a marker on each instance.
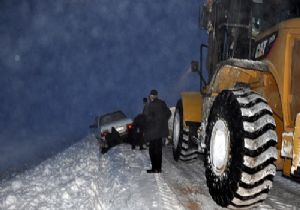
(246, 117)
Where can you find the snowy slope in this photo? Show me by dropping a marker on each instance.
(67, 181)
(81, 178)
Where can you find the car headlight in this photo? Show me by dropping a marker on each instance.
(120, 129)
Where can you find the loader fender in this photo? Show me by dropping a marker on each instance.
(192, 106)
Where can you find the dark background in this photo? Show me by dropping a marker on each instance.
(64, 61)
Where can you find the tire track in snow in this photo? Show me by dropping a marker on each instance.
(187, 180)
(168, 198)
(284, 193)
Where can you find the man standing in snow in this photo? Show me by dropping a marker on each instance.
(157, 114)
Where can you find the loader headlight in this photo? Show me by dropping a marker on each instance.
(287, 144)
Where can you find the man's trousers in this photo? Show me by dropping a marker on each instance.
(155, 152)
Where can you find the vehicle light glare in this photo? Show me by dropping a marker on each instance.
(129, 126)
(119, 129)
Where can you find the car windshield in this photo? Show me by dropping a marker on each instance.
(108, 118)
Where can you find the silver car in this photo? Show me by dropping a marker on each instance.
(104, 124)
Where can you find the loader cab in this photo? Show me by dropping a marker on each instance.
(268, 13)
(234, 25)
(228, 25)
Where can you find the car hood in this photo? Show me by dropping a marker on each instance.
(123, 122)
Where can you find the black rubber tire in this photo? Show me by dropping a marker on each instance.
(182, 151)
(250, 167)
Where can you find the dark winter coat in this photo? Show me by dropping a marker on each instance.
(113, 138)
(157, 115)
(137, 132)
(139, 122)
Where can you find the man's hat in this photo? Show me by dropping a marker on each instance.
(154, 92)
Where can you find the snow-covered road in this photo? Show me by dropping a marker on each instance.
(81, 178)
(285, 193)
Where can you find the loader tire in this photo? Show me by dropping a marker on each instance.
(241, 152)
(181, 138)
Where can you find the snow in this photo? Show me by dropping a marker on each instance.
(67, 181)
(82, 178)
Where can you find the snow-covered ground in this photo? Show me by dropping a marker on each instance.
(67, 181)
(81, 178)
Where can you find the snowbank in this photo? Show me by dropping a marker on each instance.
(67, 181)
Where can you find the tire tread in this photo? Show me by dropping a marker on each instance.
(258, 152)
